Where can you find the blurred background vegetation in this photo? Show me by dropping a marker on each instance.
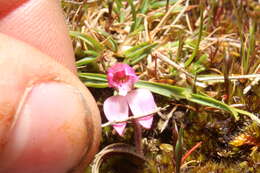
(201, 58)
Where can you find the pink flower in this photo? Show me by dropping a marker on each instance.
(121, 77)
(141, 102)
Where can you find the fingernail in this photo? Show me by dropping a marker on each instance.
(52, 131)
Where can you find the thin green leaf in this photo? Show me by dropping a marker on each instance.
(179, 151)
(100, 81)
(158, 4)
(119, 5)
(159, 15)
(137, 53)
(138, 58)
(90, 56)
(117, 8)
(144, 6)
(110, 42)
(250, 115)
(251, 46)
(137, 31)
(140, 50)
(198, 67)
(91, 53)
(165, 90)
(91, 42)
(195, 51)
(208, 101)
(133, 12)
(135, 48)
(183, 93)
(85, 61)
(142, 10)
(94, 80)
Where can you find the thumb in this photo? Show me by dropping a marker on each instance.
(39, 23)
(49, 122)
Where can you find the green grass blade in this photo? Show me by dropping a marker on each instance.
(137, 53)
(110, 42)
(118, 10)
(159, 4)
(91, 53)
(251, 46)
(90, 56)
(250, 115)
(144, 6)
(135, 48)
(138, 58)
(183, 93)
(85, 61)
(208, 101)
(164, 90)
(140, 50)
(91, 42)
(94, 80)
(142, 10)
(133, 12)
(179, 151)
(100, 81)
(195, 51)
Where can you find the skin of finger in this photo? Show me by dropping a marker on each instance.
(41, 24)
(23, 66)
(7, 6)
(50, 131)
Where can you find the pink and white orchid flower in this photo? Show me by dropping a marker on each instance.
(141, 102)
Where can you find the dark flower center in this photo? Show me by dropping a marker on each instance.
(120, 77)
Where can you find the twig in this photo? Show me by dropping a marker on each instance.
(230, 41)
(147, 34)
(188, 22)
(204, 79)
(232, 77)
(73, 2)
(94, 21)
(178, 67)
(187, 154)
(224, 38)
(172, 63)
(146, 28)
(130, 118)
(254, 82)
(237, 105)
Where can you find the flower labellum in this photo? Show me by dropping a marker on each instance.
(141, 102)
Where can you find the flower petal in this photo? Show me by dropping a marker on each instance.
(116, 109)
(141, 102)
